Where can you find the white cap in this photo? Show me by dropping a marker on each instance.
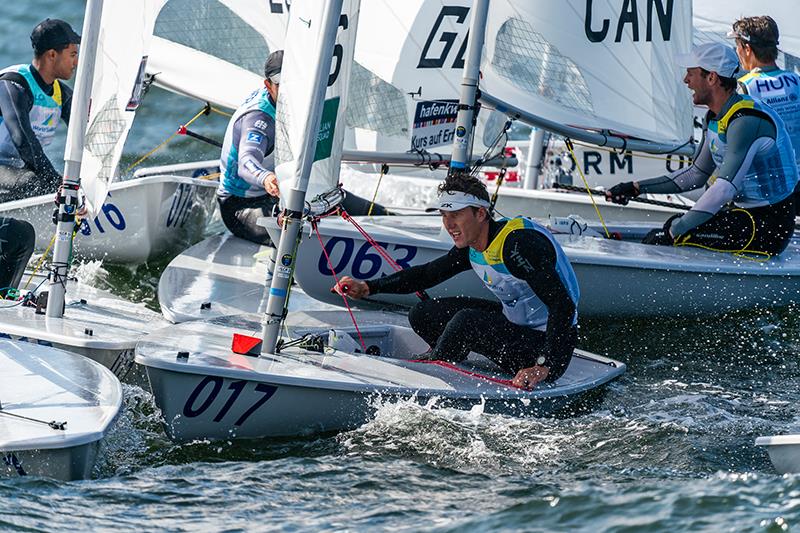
(713, 57)
(455, 200)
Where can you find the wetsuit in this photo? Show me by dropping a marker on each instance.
(535, 318)
(779, 89)
(246, 161)
(747, 156)
(17, 239)
(30, 111)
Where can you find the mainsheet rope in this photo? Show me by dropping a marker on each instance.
(570, 147)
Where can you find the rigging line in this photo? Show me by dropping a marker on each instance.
(336, 279)
(202, 112)
(384, 171)
(568, 142)
(760, 256)
(636, 199)
(39, 263)
(639, 155)
(61, 426)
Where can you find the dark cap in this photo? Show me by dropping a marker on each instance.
(53, 34)
(273, 64)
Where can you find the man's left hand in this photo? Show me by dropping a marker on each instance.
(528, 378)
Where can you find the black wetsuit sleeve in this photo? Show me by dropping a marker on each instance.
(530, 256)
(15, 107)
(421, 277)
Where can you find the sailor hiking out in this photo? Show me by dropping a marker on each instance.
(248, 186)
(747, 156)
(531, 331)
(32, 102)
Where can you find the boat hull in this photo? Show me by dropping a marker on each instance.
(65, 464)
(784, 452)
(142, 219)
(616, 278)
(206, 391)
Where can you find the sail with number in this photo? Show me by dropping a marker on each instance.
(593, 65)
(297, 101)
(121, 56)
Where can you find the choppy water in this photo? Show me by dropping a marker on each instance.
(671, 447)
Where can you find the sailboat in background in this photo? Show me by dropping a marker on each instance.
(139, 219)
(71, 315)
(644, 280)
(319, 378)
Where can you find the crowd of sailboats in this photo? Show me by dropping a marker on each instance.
(306, 370)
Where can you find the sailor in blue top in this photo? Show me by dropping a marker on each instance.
(32, 102)
(746, 156)
(248, 187)
(530, 330)
(757, 40)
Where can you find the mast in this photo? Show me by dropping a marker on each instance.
(469, 86)
(73, 155)
(292, 216)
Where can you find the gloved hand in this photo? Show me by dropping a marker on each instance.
(662, 236)
(621, 193)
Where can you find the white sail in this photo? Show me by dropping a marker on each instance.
(712, 23)
(296, 100)
(409, 61)
(214, 50)
(121, 55)
(593, 64)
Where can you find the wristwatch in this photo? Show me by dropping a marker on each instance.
(540, 360)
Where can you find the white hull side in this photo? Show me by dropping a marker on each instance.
(784, 452)
(65, 464)
(616, 278)
(210, 392)
(96, 324)
(142, 219)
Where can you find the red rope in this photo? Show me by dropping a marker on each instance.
(451, 366)
(336, 278)
(375, 244)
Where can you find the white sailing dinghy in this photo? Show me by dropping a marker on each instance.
(141, 220)
(616, 277)
(150, 216)
(55, 409)
(784, 452)
(89, 321)
(319, 378)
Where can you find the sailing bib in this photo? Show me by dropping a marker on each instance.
(520, 304)
(772, 175)
(44, 116)
(231, 183)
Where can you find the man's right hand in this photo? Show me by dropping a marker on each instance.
(271, 185)
(353, 288)
(621, 193)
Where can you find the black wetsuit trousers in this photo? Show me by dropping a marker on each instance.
(240, 214)
(733, 229)
(453, 327)
(17, 239)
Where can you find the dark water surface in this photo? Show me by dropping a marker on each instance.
(669, 449)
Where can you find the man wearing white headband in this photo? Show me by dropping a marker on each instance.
(248, 187)
(530, 330)
(746, 155)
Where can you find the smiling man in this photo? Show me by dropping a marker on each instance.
(32, 102)
(746, 154)
(531, 331)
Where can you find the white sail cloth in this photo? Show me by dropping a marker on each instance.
(297, 99)
(593, 64)
(126, 30)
